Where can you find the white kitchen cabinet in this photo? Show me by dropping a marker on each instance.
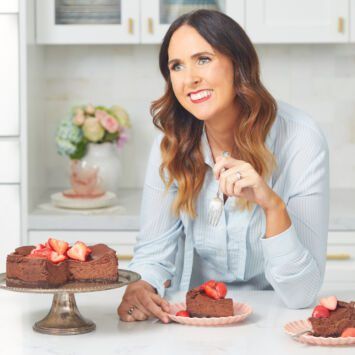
(157, 15)
(10, 221)
(9, 160)
(9, 75)
(301, 21)
(101, 22)
(340, 266)
(352, 20)
(8, 6)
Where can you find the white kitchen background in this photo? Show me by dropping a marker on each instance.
(318, 77)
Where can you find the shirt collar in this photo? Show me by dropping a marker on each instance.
(206, 149)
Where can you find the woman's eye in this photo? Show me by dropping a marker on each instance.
(176, 67)
(203, 60)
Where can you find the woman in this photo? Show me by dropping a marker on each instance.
(273, 228)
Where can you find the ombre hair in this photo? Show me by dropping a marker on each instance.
(182, 157)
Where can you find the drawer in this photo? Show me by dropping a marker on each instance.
(7, 6)
(9, 161)
(122, 241)
(9, 75)
(10, 221)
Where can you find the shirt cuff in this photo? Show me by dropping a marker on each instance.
(283, 244)
(153, 275)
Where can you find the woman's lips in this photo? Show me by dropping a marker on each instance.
(196, 98)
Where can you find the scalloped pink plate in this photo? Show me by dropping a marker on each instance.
(241, 311)
(293, 328)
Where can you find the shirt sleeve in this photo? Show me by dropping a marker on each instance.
(157, 241)
(295, 259)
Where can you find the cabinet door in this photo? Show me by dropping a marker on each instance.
(301, 21)
(8, 6)
(10, 221)
(105, 22)
(9, 75)
(157, 15)
(9, 161)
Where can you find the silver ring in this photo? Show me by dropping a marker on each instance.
(225, 154)
(130, 311)
(238, 175)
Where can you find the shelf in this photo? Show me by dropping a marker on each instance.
(125, 219)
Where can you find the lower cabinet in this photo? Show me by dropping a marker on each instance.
(122, 241)
(10, 221)
(340, 266)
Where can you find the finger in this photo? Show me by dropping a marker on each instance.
(155, 309)
(122, 312)
(139, 305)
(137, 314)
(163, 303)
(241, 184)
(225, 163)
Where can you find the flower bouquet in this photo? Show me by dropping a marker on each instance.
(91, 124)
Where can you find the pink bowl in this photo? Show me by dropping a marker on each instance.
(241, 311)
(298, 326)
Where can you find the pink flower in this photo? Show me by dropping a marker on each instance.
(79, 119)
(100, 114)
(90, 109)
(109, 123)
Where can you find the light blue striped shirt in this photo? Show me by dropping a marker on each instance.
(190, 251)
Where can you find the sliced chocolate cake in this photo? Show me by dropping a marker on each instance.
(41, 267)
(339, 319)
(199, 304)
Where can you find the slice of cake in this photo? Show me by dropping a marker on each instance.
(56, 263)
(333, 318)
(208, 300)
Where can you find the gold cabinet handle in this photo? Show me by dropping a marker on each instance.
(341, 24)
(130, 25)
(340, 256)
(150, 25)
(124, 256)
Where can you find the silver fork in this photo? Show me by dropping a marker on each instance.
(215, 206)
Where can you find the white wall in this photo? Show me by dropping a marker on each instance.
(317, 78)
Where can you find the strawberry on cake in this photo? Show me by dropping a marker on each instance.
(333, 318)
(208, 300)
(56, 263)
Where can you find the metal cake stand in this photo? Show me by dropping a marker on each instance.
(64, 317)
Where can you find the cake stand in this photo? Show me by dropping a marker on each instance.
(64, 317)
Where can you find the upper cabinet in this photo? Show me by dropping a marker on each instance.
(157, 15)
(301, 21)
(87, 21)
(8, 6)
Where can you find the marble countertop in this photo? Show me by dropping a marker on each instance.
(342, 214)
(262, 332)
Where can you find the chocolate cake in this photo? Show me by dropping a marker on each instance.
(198, 304)
(339, 319)
(24, 271)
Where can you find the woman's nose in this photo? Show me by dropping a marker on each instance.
(192, 77)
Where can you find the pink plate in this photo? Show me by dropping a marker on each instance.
(241, 311)
(298, 326)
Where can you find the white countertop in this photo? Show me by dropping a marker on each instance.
(342, 214)
(262, 332)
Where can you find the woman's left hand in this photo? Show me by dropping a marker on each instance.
(241, 180)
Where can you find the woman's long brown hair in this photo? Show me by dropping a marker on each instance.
(182, 157)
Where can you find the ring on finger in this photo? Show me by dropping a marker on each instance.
(130, 311)
(238, 175)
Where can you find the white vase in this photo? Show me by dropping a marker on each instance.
(105, 157)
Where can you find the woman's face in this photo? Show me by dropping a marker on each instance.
(202, 78)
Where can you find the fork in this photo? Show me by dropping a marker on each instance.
(215, 206)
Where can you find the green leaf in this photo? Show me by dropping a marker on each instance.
(80, 151)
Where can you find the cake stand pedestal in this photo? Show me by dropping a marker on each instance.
(64, 317)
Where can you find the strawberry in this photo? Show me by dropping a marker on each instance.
(183, 314)
(221, 289)
(320, 312)
(210, 283)
(60, 246)
(56, 258)
(79, 251)
(348, 332)
(41, 253)
(211, 292)
(39, 246)
(329, 302)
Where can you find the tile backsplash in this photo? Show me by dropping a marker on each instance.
(320, 79)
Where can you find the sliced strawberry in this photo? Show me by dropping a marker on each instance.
(329, 302)
(210, 283)
(56, 258)
(320, 312)
(79, 251)
(41, 253)
(60, 246)
(183, 314)
(211, 292)
(221, 289)
(348, 332)
(39, 246)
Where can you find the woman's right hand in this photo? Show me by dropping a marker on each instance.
(140, 301)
